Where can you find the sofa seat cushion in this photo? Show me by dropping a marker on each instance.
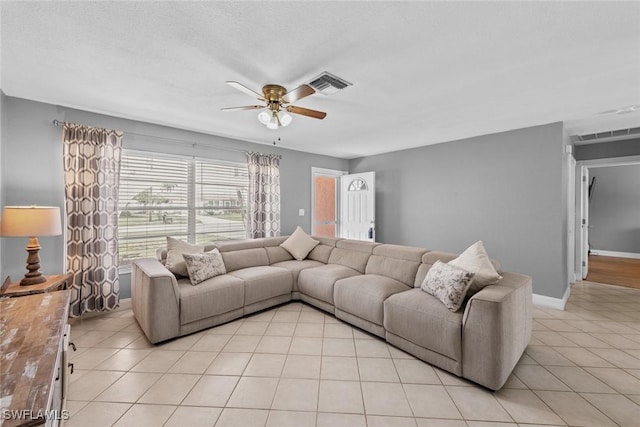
(295, 267)
(364, 295)
(317, 282)
(422, 319)
(264, 282)
(211, 297)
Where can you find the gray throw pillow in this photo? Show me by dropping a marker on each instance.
(475, 260)
(204, 266)
(299, 244)
(447, 283)
(175, 249)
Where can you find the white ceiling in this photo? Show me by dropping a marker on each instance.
(423, 72)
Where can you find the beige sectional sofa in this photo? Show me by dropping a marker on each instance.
(373, 286)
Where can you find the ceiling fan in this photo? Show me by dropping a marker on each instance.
(277, 104)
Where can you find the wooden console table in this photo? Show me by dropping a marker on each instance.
(53, 283)
(33, 346)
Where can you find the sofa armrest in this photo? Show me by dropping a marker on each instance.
(496, 329)
(155, 298)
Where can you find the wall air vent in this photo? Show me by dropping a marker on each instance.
(328, 84)
(606, 136)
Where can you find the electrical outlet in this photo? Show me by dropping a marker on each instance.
(300, 212)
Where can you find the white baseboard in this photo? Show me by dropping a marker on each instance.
(125, 304)
(549, 302)
(616, 254)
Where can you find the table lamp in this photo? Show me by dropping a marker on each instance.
(31, 222)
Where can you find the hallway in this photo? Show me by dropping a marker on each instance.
(614, 270)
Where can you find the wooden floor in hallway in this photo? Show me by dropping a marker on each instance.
(614, 271)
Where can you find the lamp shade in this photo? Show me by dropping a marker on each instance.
(30, 221)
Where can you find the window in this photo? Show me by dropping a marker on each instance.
(197, 200)
(357, 184)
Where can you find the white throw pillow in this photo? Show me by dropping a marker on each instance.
(204, 266)
(175, 261)
(475, 260)
(447, 283)
(299, 244)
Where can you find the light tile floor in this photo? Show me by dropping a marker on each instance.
(294, 365)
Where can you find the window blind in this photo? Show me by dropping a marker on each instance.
(196, 200)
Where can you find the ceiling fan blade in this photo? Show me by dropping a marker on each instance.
(248, 107)
(298, 93)
(243, 88)
(306, 112)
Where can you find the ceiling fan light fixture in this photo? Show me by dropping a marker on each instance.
(273, 121)
(265, 117)
(275, 111)
(285, 118)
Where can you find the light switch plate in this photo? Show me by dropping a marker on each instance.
(300, 212)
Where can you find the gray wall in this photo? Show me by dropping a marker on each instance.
(606, 150)
(614, 210)
(32, 168)
(505, 189)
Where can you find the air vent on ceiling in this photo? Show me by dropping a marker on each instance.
(606, 136)
(327, 83)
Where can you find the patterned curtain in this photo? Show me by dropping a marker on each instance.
(91, 175)
(263, 218)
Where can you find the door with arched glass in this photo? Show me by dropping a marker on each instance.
(357, 206)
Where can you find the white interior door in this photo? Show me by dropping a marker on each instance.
(571, 219)
(584, 221)
(357, 206)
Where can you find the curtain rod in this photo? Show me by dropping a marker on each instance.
(181, 141)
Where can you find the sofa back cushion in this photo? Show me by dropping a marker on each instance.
(328, 241)
(352, 253)
(208, 247)
(396, 262)
(428, 260)
(275, 253)
(239, 254)
(235, 245)
(322, 252)
(234, 261)
(273, 241)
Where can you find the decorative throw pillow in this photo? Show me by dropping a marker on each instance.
(447, 283)
(204, 266)
(475, 260)
(299, 244)
(175, 249)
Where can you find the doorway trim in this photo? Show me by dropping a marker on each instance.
(326, 172)
(582, 168)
